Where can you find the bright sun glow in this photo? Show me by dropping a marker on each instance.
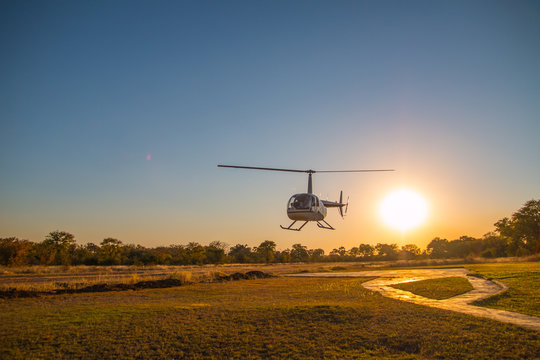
(403, 209)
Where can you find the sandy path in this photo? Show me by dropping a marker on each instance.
(482, 289)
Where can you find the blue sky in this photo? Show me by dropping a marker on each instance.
(445, 92)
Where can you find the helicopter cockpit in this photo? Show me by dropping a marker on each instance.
(302, 202)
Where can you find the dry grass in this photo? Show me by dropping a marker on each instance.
(184, 276)
(453, 262)
(76, 283)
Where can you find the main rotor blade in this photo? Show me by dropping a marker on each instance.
(343, 171)
(303, 171)
(261, 168)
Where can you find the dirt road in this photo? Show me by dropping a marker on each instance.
(462, 303)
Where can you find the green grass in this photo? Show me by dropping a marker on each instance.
(293, 318)
(523, 281)
(442, 288)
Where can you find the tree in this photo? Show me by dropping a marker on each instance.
(463, 247)
(353, 252)
(215, 252)
(137, 255)
(56, 249)
(162, 256)
(409, 252)
(339, 252)
(386, 251)
(316, 254)
(299, 253)
(522, 230)
(178, 254)
(266, 251)
(438, 248)
(87, 254)
(196, 253)
(240, 254)
(15, 252)
(110, 252)
(366, 250)
(283, 256)
(493, 246)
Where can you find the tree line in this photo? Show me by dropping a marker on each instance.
(518, 235)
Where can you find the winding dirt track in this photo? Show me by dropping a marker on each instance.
(482, 289)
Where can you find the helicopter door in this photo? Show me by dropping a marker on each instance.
(314, 204)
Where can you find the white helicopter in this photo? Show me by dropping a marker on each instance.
(307, 206)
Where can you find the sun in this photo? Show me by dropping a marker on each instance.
(403, 209)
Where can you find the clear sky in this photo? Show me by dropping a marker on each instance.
(114, 115)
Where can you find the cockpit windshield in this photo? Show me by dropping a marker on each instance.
(302, 201)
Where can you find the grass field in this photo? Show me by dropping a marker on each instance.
(523, 281)
(442, 288)
(271, 318)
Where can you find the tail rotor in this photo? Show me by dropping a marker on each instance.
(343, 205)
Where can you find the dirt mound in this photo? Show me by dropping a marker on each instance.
(250, 275)
(155, 284)
(147, 284)
(258, 275)
(15, 293)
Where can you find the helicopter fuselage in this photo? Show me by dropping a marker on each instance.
(305, 207)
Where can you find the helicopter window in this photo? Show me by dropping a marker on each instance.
(301, 201)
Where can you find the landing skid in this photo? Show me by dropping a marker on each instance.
(322, 226)
(328, 226)
(291, 228)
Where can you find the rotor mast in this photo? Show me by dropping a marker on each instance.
(310, 182)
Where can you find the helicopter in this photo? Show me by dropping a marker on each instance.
(307, 206)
